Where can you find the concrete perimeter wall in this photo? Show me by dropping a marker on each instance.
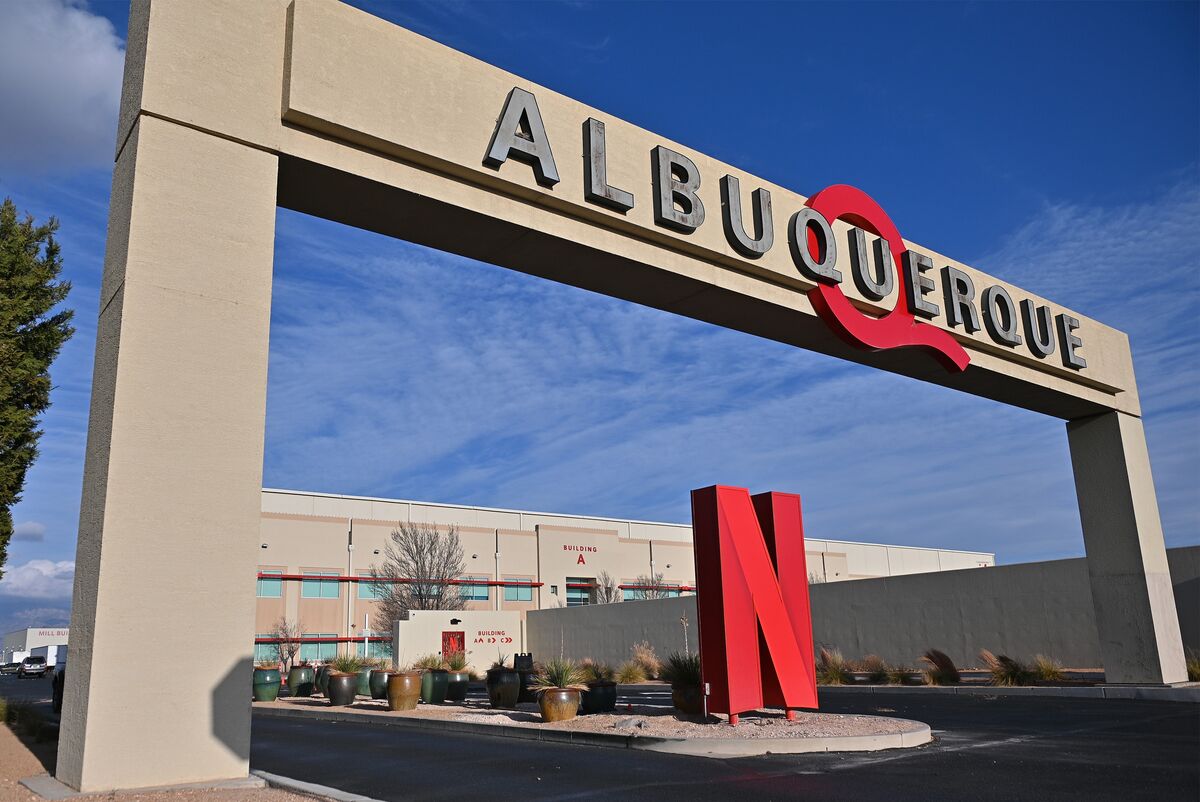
(1020, 610)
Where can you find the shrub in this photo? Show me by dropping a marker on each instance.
(644, 656)
(430, 662)
(1047, 669)
(875, 668)
(941, 670)
(457, 660)
(630, 673)
(560, 674)
(1193, 666)
(346, 664)
(1005, 670)
(897, 675)
(832, 668)
(597, 672)
(682, 670)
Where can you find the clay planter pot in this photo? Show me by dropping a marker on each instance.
(404, 690)
(433, 686)
(379, 683)
(301, 680)
(503, 687)
(558, 704)
(342, 688)
(364, 682)
(266, 684)
(687, 699)
(322, 681)
(457, 683)
(600, 697)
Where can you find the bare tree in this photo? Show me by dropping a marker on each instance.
(651, 587)
(287, 641)
(607, 591)
(418, 572)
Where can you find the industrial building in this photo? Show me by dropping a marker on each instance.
(317, 549)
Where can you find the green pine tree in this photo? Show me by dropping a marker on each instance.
(30, 339)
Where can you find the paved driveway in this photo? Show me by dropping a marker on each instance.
(999, 748)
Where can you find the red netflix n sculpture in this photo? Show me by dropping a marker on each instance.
(756, 646)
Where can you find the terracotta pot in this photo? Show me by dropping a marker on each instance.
(433, 686)
(301, 680)
(404, 690)
(600, 697)
(342, 688)
(503, 687)
(378, 683)
(457, 683)
(559, 704)
(266, 684)
(687, 699)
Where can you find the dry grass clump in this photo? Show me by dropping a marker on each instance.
(941, 669)
(644, 656)
(875, 668)
(899, 675)
(1193, 666)
(1005, 670)
(630, 673)
(832, 668)
(1047, 669)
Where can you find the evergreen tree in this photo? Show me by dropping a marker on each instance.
(30, 338)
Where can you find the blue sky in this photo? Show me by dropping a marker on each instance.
(1053, 145)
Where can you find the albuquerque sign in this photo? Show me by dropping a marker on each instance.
(230, 110)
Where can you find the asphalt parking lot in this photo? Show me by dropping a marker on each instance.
(985, 748)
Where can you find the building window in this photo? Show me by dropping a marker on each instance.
(319, 588)
(373, 591)
(518, 593)
(375, 648)
(628, 594)
(322, 652)
(270, 588)
(264, 652)
(474, 592)
(580, 596)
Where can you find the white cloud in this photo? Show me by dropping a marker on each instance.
(60, 86)
(37, 617)
(29, 530)
(39, 579)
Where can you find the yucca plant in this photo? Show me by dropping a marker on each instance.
(597, 672)
(1005, 670)
(560, 673)
(430, 662)
(346, 664)
(501, 662)
(1047, 669)
(832, 668)
(875, 668)
(941, 669)
(456, 660)
(682, 670)
(630, 673)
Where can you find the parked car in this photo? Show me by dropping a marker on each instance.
(9, 668)
(33, 667)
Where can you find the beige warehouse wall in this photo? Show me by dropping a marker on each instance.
(1021, 610)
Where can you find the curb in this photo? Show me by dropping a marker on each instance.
(918, 734)
(310, 789)
(1188, 693)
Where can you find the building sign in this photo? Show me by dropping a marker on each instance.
(581, 549)
(756, 643)
(484, 637)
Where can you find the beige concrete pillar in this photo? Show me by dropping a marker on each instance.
(1131, 583)
(158, 688)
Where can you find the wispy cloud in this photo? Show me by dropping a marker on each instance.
(60, 86)
(39, 579)
(401, 371)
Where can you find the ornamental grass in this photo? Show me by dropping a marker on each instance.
(630, 673)
(940, 668)
(832, 668)
(1006, 671)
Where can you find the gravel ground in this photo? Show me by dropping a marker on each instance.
(17, 760)
(635, 720)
